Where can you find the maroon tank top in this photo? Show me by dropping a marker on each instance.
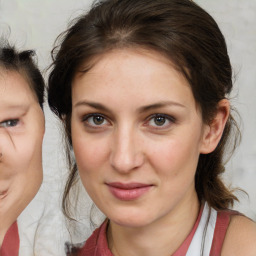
(11, 242)
(97, 245)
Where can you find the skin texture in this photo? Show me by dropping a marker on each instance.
(240, 238)
(117, 138)
(21, 135)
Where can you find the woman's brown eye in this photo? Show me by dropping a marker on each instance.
(98, 120)
(95, 120)
(159, 120)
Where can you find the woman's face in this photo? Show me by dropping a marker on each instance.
(21, 135)
(137, 134)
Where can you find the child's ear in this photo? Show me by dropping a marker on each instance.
(213, 131)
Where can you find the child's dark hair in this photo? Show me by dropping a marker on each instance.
(23, 62)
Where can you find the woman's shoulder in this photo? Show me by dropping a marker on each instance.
(240, 237)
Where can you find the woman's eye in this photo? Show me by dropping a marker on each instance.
(95, 120)
(160, 121)
(9, 123)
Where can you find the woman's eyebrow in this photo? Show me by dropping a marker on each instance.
(160, 105)
(91, 104)
(140, 110)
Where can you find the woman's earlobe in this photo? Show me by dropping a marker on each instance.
(213, 131)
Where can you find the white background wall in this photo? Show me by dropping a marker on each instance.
(35, 24)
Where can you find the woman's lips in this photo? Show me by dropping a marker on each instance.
(128, 191)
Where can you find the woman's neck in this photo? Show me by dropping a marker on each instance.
(162, 237)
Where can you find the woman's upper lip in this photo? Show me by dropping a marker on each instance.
(131, 185)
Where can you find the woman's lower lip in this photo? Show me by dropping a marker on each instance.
(128, 194)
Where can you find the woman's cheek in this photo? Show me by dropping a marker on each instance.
(90, 150)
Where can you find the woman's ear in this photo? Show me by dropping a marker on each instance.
(214, 130)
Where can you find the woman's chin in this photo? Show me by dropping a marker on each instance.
(131, 221)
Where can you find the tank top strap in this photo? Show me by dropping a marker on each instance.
(11, 242)
(222, 223)
(202, 240)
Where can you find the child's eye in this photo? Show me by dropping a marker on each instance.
(95, 120)
(9, 123)
(160, 121)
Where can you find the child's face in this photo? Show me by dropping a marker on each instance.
(137, 134)
(21, 135)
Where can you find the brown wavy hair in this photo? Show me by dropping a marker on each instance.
(178, 29)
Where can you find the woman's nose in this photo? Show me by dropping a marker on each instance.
(127, 151)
